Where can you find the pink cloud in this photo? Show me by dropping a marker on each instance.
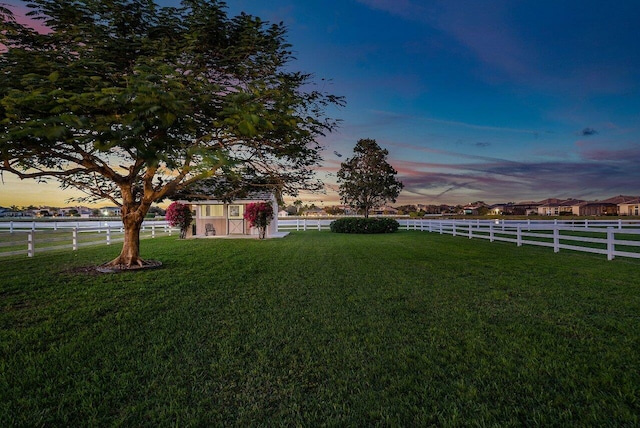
(594, 152)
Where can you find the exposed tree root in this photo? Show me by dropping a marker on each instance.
(119, 265)
(128, 262)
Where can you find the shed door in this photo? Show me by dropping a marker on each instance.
(236, 219)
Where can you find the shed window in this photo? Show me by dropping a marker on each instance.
(212, 211)
(236, 211)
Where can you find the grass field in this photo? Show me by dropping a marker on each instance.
(408, 329)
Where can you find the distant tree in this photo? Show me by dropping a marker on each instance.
(157, 210)
(367, 180)
(334, 210)
(131, 102)
(298, 204)
(483, 210)
(406, 209)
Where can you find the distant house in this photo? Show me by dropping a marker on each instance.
(227, 218)
(43, 212)
(110, 211)
(557, 207)
(626, 205)
(386, 210)
(630, 208)
(501, 209)
(475, 209)
(597, 208)
(525, 208)
(314, 212)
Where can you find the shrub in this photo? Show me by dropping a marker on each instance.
(259, 214)
(179, 215)
(365, 225)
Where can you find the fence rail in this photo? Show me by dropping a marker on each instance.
(613, 238)
(36, 236)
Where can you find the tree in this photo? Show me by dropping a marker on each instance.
(131, 102)
(367, 180)
(298, 204)
(334, 210)
(259, 214)
(157, 210)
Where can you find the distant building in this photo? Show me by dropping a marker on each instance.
(110, 211)
(314, 212)
(626, 205)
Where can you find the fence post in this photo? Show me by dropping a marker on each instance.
(619, 223)
(454, 228)
(55, 225)
(75, 239)
(318, 225)
(31, 244)
(11, 226)
(304, 225)
(471, 230)
(556, 240)
(611, 247)
(33, 226)
(108, 235)
(153, 231)
(491, 232)
(519, 235)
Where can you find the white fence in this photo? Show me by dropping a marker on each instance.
(42, 236)
(304, 224)
(612, 238)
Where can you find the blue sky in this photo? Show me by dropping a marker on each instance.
(476, 100)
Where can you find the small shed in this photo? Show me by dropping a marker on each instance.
(224, 218)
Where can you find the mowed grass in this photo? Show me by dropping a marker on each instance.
(321, 329)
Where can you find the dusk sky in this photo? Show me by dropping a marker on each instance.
(475, 100)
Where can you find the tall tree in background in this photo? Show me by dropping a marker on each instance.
(131, 102)
(367, 180)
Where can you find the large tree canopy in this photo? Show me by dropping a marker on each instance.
(131, 102)
(367, 180)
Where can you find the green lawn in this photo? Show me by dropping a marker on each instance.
(408, 329)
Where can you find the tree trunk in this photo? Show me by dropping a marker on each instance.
(130, 254)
